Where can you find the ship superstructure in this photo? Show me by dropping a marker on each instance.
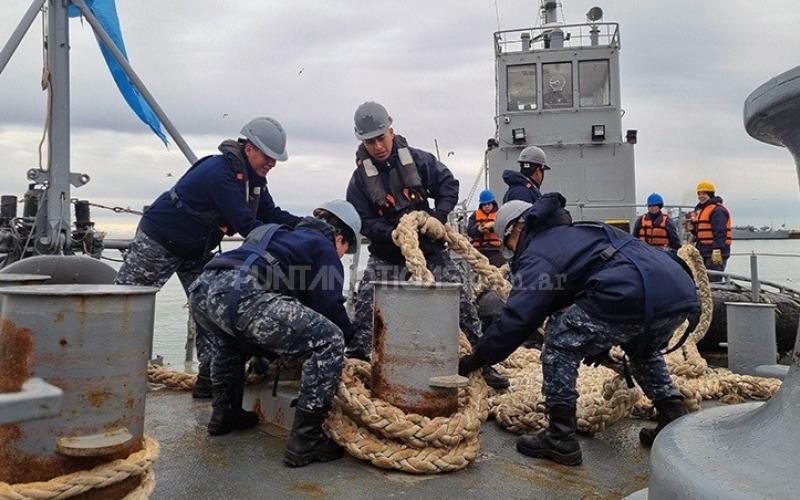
(558, 88)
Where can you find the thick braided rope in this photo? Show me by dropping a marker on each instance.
(139, 463)
(171, 379)
(372, 429)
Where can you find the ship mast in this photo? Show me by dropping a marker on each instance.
(53, 224)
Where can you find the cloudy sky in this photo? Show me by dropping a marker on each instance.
(686, 66)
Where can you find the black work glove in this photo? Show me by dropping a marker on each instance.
(440, 215)
(429, 246)
(599, 359)
(469, 363)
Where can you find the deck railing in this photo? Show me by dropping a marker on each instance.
(575, 36)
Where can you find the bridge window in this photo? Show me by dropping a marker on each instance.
(521, 87)
(557, 85)
(593, 83)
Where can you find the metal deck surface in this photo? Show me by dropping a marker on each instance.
(248, 464)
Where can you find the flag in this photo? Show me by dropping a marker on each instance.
(106, 13)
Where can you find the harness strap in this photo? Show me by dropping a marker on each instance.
(260, 252)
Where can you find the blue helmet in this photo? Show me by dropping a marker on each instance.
(486, 196)
(655, 199)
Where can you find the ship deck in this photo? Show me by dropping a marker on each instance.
(247, 464)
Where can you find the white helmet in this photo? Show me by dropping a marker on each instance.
(345, 212)
(504, 222)
(533, 154)
(371, 120)
(268, 136)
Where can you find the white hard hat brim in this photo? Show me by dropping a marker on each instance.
(269, 152)
(371, 135)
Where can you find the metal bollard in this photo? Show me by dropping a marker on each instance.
(415, 346)
(751, 336)
(89, 341)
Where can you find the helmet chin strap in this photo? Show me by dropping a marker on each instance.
(527, 169)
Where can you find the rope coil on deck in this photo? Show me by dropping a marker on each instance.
(372, 429)
(139, 463)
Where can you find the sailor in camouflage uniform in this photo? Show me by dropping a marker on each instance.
(280, 295)
(220, 194)
(600, 287)
(391, 180)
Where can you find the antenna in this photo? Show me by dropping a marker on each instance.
(595, 14)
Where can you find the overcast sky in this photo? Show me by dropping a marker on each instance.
(686, 69)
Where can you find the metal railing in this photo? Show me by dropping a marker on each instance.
(575, 36)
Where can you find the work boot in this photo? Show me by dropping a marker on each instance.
(667, 410)
(228, 414)
(494, 379)
(202, 386)
(225, 420)
(308, 442)
(558, 443)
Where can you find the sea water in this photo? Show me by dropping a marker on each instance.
(172, 313)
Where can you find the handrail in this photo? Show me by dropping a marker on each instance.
(781, 288)
(607, 32)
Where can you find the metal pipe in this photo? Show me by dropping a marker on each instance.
(137, 82)
(755, 285)
(781, 288)
(19, 33)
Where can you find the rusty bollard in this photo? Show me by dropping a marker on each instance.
(415, 346)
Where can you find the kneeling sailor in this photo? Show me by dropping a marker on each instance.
(280, 295)
(600, 287)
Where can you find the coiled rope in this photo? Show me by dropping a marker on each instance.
(371, 429)
(374, 430)
(139, 463)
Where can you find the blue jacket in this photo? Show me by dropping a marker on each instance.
(210, 185)
(672, 232)
(313, 270)
(437, 180)
(520, 187)
(558, 266)
(719, 227)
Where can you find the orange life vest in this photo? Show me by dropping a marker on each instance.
(654, 235)
(703, 232)
(486, 239)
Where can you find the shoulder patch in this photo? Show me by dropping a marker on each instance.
(239, 176)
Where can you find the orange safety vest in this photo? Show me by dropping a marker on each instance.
(703, 231)
(654, 235)
(486, 239)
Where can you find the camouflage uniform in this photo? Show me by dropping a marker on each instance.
(572, 334)
(269, 323)
(147, 263)
(444, 270)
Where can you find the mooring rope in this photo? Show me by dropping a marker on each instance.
(139, 463)
(372, 429)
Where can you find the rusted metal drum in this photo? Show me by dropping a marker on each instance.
(415, 340)
(91, 341)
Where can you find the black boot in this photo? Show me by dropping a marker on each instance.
(494, 379)
(202, 386)
(667, 410)
(308, 442)
(228, 414)
(558, 443)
